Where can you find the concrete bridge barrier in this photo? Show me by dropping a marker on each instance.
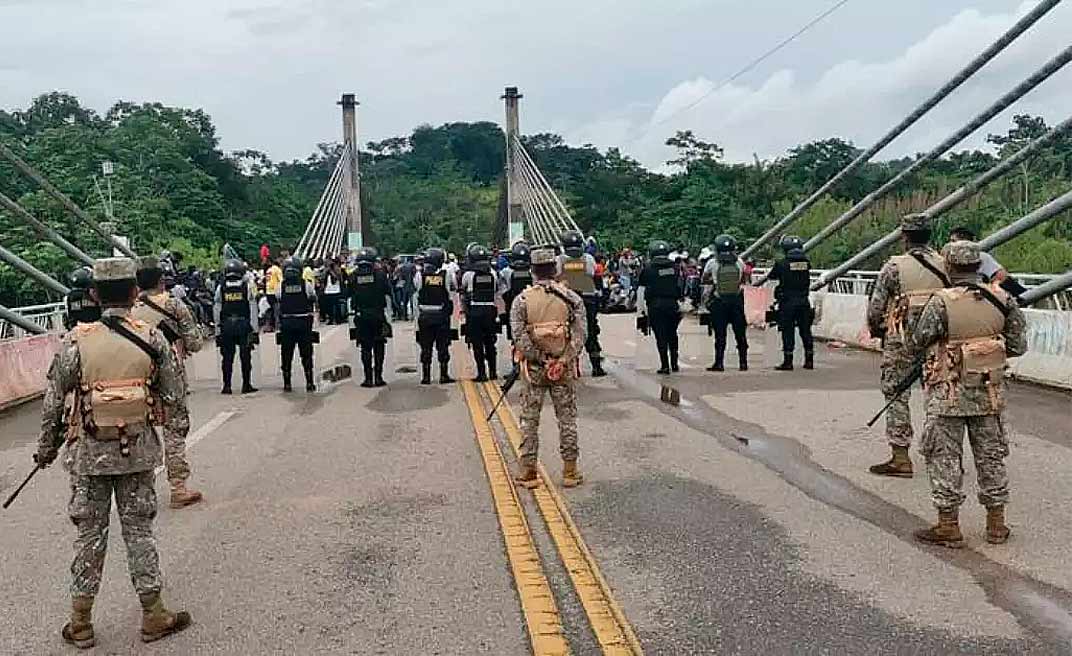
(24, 364)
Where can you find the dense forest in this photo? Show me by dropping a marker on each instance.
(173, 187)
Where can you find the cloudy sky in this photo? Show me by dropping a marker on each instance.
(608, 72)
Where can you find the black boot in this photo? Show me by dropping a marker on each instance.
(809, 359)
(720, 363)
(310, 386)
(493, 373)
(742, 356)
(787, 363)
(444, 377)
(597, 367)
(228, 370)
(481, 371)
(673, 361)
(378, 368)
(426, 373)
(664, 360)
(286, 381)
(366, 365)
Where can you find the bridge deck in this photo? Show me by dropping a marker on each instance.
(730, 514)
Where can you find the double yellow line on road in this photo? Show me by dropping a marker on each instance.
(609, 624)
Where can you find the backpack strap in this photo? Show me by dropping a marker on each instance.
(115, 324)
(941, 275)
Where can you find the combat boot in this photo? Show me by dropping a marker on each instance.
(181, 496)
(945, 533)
(996, 530)
(481, 372)
(571, 477)
(899, 465)
(527, 477)
(444, 376)
(310, 386)
(493, 373)
(426, 373)
(597, 368)
(809, 359)
(743, 360)
(158, 622)
(719, 365)
(787, 363)
(368, 376)
(673, 362)
(286, 382)
(79, 631)
(664, 365)
(378, 380)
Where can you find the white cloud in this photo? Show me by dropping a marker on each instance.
(857, 100)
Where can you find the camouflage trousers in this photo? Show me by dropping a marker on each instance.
(564, 399)
(896, 365)
(175, 431)
(942, 445)
(90, 509)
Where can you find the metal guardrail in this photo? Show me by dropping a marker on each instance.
(49, 316)
(860, 283)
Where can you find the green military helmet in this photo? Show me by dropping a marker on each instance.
(725, 244)
(81, 278)
(915, 222)
(964, 254)
(791, 242)
(658, 248)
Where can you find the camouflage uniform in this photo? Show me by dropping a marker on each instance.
(955, 404)
(563, 392)
(889, 298)
(189, 342)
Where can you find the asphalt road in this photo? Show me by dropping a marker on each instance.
(730, 514)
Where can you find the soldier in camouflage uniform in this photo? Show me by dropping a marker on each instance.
(106, 388)
(904, 286)
(548, 324)
(967, 331)
(169, 315)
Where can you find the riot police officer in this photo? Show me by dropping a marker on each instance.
(370, 293)
(724, 273)
(577, 270)
(481, 288)
(793, 273)
(515, 278)
(658, 295)
(235, 312)
(434, 310)
(81, 308)
(296, 297)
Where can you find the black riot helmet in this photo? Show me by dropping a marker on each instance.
(572, 243)
(82, 278)
(434, 257)
(725, 244)
(520, 254)
(791, 242)
(478, 257)
(658, 248)
(292, 268)
(366, 255)
(234, 269)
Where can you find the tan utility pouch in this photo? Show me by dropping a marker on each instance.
(983, 361)
(120, 408)
(551, 338)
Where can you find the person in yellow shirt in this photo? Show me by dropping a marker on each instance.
(272, 281)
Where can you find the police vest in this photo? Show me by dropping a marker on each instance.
(482, 289)
(433, 297)
(796, 278)
(81, 308)
(367, 293)
(970, 361)
(918, 284)
(664, 280)
(519, 280)
(575, 275)
(113, 400)
(728, 278)
(294, 302)
(235, 294)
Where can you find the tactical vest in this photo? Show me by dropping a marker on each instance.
(728, 278)
(293, 302)
(155, 318)
(367, 293)
(520, 279)
(433, 297)
(547, 320)
(664, 283)
(482, 291)
(796, 280)
(575, 275)
(971, 359)
(918, 285)
(235, 295)
(113, 401)
(81, 308)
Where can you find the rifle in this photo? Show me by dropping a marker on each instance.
(11, 499)
(913, 375)
(505, 389)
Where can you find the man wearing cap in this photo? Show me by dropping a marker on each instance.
(548, 323)
(904, 286)
(170, 316)
(968, 331)
(111, 382)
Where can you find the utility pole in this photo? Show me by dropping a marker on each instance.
(514, 210)
(355, 229)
